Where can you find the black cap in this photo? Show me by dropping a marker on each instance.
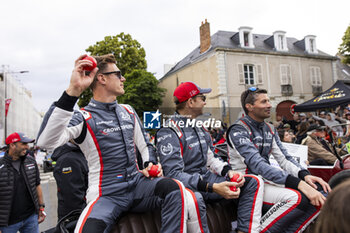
(316, 127)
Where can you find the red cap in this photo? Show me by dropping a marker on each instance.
(187, 90)
(18, 137)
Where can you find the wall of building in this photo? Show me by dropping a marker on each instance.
(221, 65)
(204, 73)
(22, 115)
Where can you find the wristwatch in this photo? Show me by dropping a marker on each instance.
(42, 205)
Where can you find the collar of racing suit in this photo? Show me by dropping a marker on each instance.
(253, 122)
(104, 106)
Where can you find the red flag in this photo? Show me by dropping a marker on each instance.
(7, 105)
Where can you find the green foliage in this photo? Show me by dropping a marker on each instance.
(344, 48)
(141, 87)
(127, 51)
(142, 91)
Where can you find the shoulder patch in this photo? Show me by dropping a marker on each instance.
(85, 114)
(128, 108)
(176, 128)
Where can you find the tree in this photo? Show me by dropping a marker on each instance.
(141, 87)
(344, 48)
(127, 51)
(142, 91)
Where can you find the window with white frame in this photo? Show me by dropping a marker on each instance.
(246, 37)
(310, 44)
(315, 76)
(250, 74)
(286, 74)
(280, 41)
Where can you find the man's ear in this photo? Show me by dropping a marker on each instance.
(249, 107)
(101, 78)
(190, 102)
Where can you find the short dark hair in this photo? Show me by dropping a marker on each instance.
(249, 97)
(102, 63)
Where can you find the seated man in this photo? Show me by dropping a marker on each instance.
(320, 151)
(292, 191)
(109, 134)
(186, 153)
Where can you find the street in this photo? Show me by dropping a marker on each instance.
(49, 188)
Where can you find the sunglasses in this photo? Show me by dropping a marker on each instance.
(203, 97)
(250, 89)
(117, 73)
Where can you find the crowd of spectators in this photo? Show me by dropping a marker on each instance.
(311, 129)
(325, 133)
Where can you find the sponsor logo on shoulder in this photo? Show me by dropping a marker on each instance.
(30, 166)
(164, 137)
(104, 122)
(189, 138)
(125, 116)
(67, 170)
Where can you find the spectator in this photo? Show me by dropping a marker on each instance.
(323, 114)
(331, 123)
(278, 123)
(220, 134)
(347, 117)
(301, 132)
(334, 217)
(302, 117)
(320, 152)
(293, 123)
(71, 175)
(286, 136)
(286, 127)
(22, 205)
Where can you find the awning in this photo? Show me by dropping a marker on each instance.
(338, 94)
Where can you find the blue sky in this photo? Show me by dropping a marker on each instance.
(45, 37)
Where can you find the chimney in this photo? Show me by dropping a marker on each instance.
(205, 40)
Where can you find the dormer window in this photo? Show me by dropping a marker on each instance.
(280, 41)
(310, 44)
(246, 37)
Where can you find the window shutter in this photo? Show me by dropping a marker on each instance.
(283, 75)
(286, 75)
(259, 74)
(312, 76)
(240, 74)
(315, 73)
(319, 79)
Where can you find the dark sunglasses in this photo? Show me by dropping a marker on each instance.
(203, 97)
(117, 73)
